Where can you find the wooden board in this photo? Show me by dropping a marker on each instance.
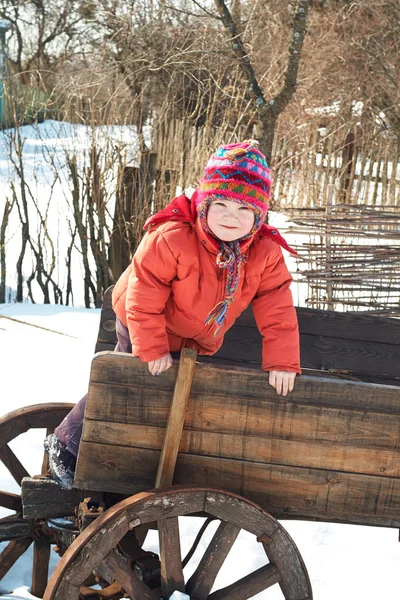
(284, 491)
(43, 498)
(344, 325)
(363, 346)
(325, 352)
(262, 449)
(330, 450)
(132, 377)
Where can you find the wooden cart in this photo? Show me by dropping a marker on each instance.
(232, 448)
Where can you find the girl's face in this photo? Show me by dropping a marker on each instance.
(229, 220)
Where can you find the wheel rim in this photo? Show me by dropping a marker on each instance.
(39, 416)
(95, 548)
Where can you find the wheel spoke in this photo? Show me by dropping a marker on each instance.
(11, 554)
(170, 557)
(40, 573)
(108, 593)
(249, 586)
(16, 469)
(11, 501)
(129, 581)
(202, 580)
(13, 528)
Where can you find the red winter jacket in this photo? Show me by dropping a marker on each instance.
(173, 282)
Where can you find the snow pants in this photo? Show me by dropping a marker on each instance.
(69, 432)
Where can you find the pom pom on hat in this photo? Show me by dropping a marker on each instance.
(239, 172)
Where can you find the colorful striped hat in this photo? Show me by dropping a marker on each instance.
(239, 172)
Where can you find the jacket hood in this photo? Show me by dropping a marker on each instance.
(183, 208)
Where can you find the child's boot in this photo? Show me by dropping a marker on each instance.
(61, 462)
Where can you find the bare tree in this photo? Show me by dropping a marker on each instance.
(373, 55)
(42, 244)
(3, 264)
(82, 229)
(268, 111)
(96, 203)
(46, 34)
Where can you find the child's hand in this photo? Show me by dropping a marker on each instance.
(282, 381)
(156, 367)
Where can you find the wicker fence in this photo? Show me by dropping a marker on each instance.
(365, 169)
(342, 190)
(349, 256)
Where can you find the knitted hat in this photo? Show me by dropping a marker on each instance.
(239, 172)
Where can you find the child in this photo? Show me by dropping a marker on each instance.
(200, 264)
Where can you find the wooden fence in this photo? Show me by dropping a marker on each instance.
(349, 256)
(341, 187)
(365, 169)
(182, 151)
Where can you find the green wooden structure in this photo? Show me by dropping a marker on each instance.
(30, 101)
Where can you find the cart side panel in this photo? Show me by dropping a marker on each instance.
(330, 450)
(360, 346)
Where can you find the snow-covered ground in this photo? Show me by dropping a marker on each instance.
(46, 151)
(45, 354)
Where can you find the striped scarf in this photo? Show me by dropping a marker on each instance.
(229, 257)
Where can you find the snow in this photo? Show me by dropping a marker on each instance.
(46, 150)
(45, 355)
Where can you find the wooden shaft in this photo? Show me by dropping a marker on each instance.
(40, 571)
(176, 418)
(170, 552)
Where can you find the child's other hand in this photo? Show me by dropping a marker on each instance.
(156, 367)
(282, 381)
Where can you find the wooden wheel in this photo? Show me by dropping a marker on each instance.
(20, 532)
(96, 549)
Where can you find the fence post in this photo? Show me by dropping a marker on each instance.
(328, 243)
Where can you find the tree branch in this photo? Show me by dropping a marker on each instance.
(268, 112)
(198, 4)
(281, 100)
(239, 50)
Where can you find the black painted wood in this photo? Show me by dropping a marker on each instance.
(344, 325)
(348, 344)
(107, 338)
(376, 360)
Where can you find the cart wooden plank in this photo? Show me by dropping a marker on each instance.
(353, 344)
(330, 450)
(284, 491)
(254, 448)
(320, 352)
(212, 380)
